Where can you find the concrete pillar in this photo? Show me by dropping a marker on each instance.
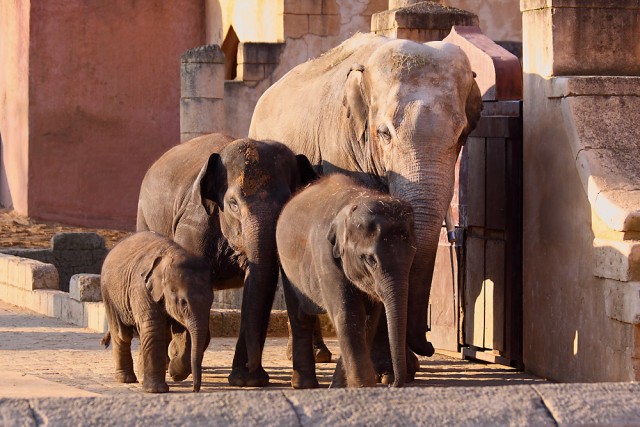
(420, 21)
(201, 92)
(586, 37)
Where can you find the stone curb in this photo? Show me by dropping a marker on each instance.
(525, 405)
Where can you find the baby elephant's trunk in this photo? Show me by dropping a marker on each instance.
(198, 331)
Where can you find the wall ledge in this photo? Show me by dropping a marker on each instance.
(622, 301)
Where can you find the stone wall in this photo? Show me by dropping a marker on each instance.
(309, 28)
(70, 253)
(100, 104)
(582, 190)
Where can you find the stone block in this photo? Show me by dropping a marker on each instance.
(617, 260)
(5, 260)
(38, 275)
(295, 26)
(230, 323)
(278, 324)
(72, 311)
(622, 301)
(250, 72)
(95, 317)
(324, 25)
(210, 53)
(425, 15)
(77, 241)
(59, 298)
(330, 7)
(201, 80)
(259, 53)
(204, 115)
(570, 37)
(85, 287)
(303, 7)
(215, 324)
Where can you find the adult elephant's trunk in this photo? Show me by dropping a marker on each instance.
(261, 280)
(428, 186)
(198, 330)
(394, 299)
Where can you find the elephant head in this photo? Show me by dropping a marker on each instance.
(247, 184)
(375, 243)
(183, 284)
(407, 110)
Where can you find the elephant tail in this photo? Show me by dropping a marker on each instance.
(106, 339)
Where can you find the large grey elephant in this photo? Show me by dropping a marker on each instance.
(345, 249)
(220, 199)
(147, 280)
(393, 114)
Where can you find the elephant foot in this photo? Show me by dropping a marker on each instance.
(178, 371)
(155, 387)
(299, 381)
(241, 377)
(321, 353)
(126, 377)
(413, 366)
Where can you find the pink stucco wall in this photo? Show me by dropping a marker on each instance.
(14, 103)
(103, 102)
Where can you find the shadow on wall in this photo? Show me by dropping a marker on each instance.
(5, 191)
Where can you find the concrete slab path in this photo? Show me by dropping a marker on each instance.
(57, 374)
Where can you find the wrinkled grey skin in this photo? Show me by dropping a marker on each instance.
(220, 199)
(393, 114)
(345, 248)
(148, 280)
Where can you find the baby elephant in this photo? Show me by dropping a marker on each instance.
(344, 249)
(146, 281)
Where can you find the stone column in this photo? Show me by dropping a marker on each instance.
(202, 92)
(581, 217)
(420, 21)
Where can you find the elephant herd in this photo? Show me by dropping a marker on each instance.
(340, 191)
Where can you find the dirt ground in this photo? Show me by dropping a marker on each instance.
(19, 231)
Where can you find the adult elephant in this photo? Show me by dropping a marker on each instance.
(392, 113)
(220, 199)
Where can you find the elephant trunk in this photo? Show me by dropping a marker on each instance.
(394, 298)
(198, 331)
(429, 190)
(261, 280)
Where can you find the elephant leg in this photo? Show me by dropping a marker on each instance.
(121, 337)
(179, 352)
(381, 355)
(355, 361)
(301, 337)
(320, 350)
(247, 370)
(153, 354)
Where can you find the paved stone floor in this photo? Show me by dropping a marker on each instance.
(43, 356)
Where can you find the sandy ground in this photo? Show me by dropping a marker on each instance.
(19, 231)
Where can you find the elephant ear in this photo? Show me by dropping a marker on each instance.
(305, 171)
(337, 234)
(473, 108)
(207, 189)
(153, 280)
(356, 102)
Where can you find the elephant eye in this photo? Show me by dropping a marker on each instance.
(233, 205)
(384, 133)
(183, 302)
(370, 260)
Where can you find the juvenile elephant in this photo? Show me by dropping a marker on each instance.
(345, 248)
(147, 279)
(391, 113)
(220, 199)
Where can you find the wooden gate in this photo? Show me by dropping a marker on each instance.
(476, 297)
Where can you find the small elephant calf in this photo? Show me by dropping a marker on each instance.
(345, 249)
(148, 282)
